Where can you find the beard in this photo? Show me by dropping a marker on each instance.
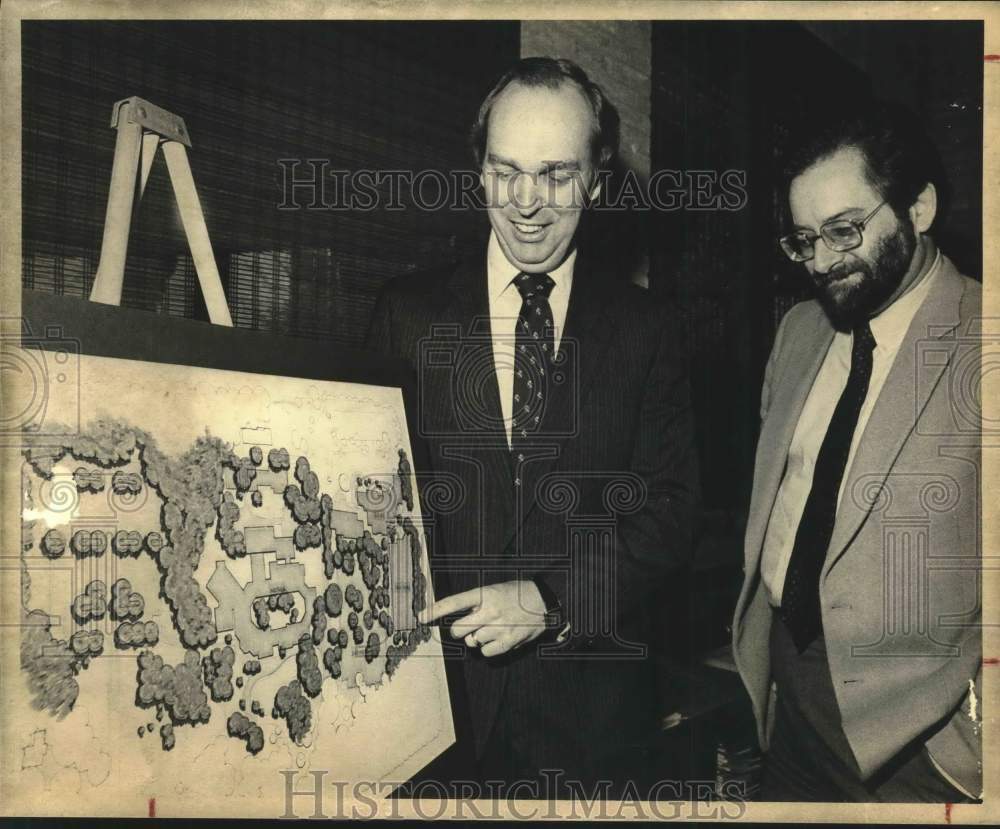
(848, 305)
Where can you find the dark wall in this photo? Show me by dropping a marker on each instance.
(363, 95)
(936, 70)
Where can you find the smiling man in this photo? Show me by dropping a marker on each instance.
(537, 180)
(857, 631)
(555, 405)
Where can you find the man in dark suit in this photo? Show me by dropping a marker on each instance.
(555, 405)
(858, 630)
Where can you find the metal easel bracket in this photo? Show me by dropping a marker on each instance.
(167, 125)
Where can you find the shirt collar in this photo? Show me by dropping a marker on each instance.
(891, 325)
(500, 273)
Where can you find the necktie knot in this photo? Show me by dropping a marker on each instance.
(534, 284)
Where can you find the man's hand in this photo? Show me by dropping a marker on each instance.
(497, 617)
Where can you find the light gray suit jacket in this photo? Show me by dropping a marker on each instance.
(899, 589)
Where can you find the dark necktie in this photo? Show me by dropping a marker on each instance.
(533, 351)
(800, 607)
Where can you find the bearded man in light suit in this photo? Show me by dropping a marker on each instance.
(857, 631)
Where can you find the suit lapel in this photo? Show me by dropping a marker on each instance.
(784, 409)
(899, 406)
(478, 411)
(475, 445)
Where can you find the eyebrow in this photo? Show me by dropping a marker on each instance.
(506, 162)
(560, 165)
(548, 166)
(833, 218)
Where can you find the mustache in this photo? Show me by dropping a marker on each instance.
(839, 271)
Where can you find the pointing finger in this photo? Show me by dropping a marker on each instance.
(451, 604)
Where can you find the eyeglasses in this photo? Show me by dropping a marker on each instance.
(839, 235)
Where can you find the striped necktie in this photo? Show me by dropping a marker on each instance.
(534, 349)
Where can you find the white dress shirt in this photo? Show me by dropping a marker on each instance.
(505, 307)
(888, 328)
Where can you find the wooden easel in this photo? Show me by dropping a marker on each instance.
(142, 128)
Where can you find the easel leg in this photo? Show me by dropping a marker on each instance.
(118, 219)
(197, 233)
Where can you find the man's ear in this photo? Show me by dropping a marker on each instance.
(489, 195)
(595, 191)
(924, 209)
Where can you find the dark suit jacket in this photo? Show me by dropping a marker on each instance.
(603, 513)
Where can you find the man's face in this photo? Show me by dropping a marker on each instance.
(536, 172)
(851, 286)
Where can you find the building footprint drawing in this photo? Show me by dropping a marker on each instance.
(237, 586)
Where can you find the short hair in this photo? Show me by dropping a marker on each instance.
(900, 160)
(553, 73)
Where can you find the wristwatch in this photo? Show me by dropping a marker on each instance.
(556, 625)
